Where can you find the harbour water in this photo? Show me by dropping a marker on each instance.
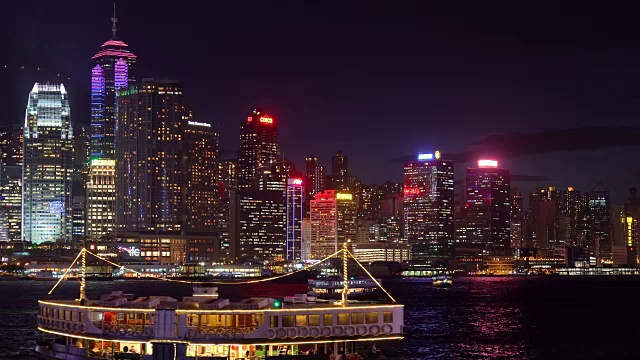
(478, 318)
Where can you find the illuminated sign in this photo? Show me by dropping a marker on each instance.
(425, 156)
(488, 163)
(411, 191)
(103, 162)
(249, 118)
(266, 120)
(438, 155)
(344, 196)
(132, 251)
(297, 182)
(195, 123)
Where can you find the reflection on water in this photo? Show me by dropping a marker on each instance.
(479, 318)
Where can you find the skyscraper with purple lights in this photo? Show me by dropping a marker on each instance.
(114, 65)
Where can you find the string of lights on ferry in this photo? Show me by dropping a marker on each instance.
(153, 276)
(8, 68)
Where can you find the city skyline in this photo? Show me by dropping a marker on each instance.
(474, 124)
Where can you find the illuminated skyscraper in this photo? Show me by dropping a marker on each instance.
(11, 200)
(488, 206)
(333, 221)
(294, 202)
(101, 190)
(261, 230)
(227, 196)
(517, 225)
(428, 205)
(543, 226)
(149, 158)
(201, 157)
(600, 209)
(48, 166)
(113, 70)
(258, 148)
(315, 177)
(340, 172)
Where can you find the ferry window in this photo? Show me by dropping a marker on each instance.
(388, 316)
(274, 321)
(328, 320)
(301, 320)
(357, 318)
(372, 318)
(81, 317)
(314, 320)
(343, 319)
(287, 320)
(74, 316)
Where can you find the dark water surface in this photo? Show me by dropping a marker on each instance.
(497, 318)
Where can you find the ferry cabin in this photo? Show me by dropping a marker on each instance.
(205, 327)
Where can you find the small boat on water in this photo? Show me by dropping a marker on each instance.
(442, 281)
(44, 275)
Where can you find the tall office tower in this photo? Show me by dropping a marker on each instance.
(428, 205)
(543, 225)
(333, 221)
(201, 158)
(15, 154)
(48, 166)
(315, 177)
(227, 196)
(11, 200)
(574, 210)
(5, 136)
(294, 201)
(81, 158)
(340, 172)
(369, 202)
(517, 220)
(101, 192)
(261, 230)
(258, 148)
(273, 178)
(149, 158)
(600, 209)
(391, 218)
(79, 218)
(391, 188)
(113, 70)
(488, 203)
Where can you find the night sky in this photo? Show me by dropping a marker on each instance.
(550, 90)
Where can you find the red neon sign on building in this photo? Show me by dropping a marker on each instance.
(266, 120)
(411, 191)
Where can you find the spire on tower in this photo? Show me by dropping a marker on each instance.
(114, 20)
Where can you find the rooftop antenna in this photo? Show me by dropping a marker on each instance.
(114, 20)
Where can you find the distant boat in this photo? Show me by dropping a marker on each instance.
(360, 288)
(442, 281)
(44, 275)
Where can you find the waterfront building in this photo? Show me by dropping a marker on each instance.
(261, 225)
(340, 180)
(428, 205)
(101, 192)
(488, 206)
(543, 226)
(600, 210)
(258, 148)
(11, 201)
(517, 225)
(333, 221)
(79, 218)
(48, 166)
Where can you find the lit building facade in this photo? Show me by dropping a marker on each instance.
(315, 176)
(261, 226)
(201, 158)
(340, 172)
(488, 206)
(600, 209)
(227, 197)
(294, 200)
(48, 166)
(101, 190)
(333, 221)
(149, 160)
(517, 226)
(428, 205)
(11, 201)
(113, 70)
(258, 148)
(79, 218)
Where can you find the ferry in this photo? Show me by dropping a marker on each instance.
(205, 326)
(331, 288)
(442, 281)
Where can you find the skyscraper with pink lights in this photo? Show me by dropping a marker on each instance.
(113, 69)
